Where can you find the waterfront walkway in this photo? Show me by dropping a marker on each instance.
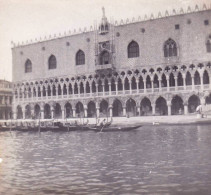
(144, 120)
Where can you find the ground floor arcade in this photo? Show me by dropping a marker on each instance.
(115, 106)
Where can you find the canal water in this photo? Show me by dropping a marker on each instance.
(151, 160)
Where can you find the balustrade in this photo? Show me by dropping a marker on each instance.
(184, 88)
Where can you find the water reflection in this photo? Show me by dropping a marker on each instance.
(158, 159)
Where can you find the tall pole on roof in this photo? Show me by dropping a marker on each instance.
(103, 9)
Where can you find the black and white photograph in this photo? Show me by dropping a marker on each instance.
(105, 97)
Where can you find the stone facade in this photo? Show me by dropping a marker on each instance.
(156, 67)
(5, 99)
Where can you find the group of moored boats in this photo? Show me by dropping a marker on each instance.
(66, 126)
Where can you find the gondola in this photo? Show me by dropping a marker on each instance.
(114, 128)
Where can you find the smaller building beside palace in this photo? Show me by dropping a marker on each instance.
(5, 99)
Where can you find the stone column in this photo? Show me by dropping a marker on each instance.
(111, 110)
(15, 115)
(24, 113)
(145, 85)
(109, 84)
(74, 112)
(184, 82)
(52, 112)
(103, 89)
(42, 113)
(51, 91)
(63, 112)
(123, 87)
(96, 89)
(152, 84)
(57, 94)
(176, 84)
(209, 81)
(67, 87)
(202, 84)
(90, 86)
(36, 93)
(116, 87)
(193, 86)
(41, 92)
(97, 111)
(62, 92)
(169, 108)
(137, 88)
(167, 79)
(85, 111)
(124, 110)
(153, 109)
(160, 87)
(139, 110)
(130, 87)
(185, 108)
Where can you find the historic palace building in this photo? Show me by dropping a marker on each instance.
(155, 66)
(5, 99)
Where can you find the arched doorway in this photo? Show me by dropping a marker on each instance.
(47, 111)
(131, 107)
(161, 106)
(57, 111)
(104, 108)
(177, 106)
(28, 112)
(79, 109)
(117, 108)
(68, 110)
(36, 111)
(91, 109)
(146, 107)
(193, 102)
(19, 112)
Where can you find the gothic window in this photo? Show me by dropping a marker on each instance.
(170, 48)
(28, 66)
(133, 50)
(52, 62)
(104, 58)
(208, 44)
(80, 58)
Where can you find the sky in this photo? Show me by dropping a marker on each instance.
(22, 20)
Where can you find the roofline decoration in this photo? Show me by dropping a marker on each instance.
(116, 23)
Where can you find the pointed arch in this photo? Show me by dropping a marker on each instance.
(36, 111)
(164, 80)
(120, 86)
(104, 58)
(80, 58)
(133, 49)
(206, 79)
(19, 112)
(161, 106)
(188, 79)
(193, 102)
(113, 86)
(145, 107)
(148, 82)
(27, 112)
(93, 87)
(28, 66)
(79, 109)
(171, 80)
(65, 89)
(131, 107)
(81, 87)
(104, 108)
(52, 63)
(155, 81)
(177, 106)
(91, 109)
(197, 80)
(117, 108)
(133, 83)
(75, 88)
(106, 86)
(57, 111)
(170, 48)
(141, 83)
(126, 84)
(47, 111)
(68, 110)
(180, 79)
